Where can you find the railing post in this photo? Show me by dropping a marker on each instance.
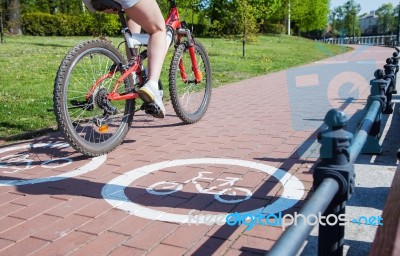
(390, 74)
(334, 163)
(395, 59)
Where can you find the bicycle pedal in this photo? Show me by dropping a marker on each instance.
(151, 109)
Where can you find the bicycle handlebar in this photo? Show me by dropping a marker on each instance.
(173, 3)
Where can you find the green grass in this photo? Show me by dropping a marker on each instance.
(29, 65)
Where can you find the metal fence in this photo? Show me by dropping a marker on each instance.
(334, 177)
(387, 40)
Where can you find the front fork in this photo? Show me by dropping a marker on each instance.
(192, 53)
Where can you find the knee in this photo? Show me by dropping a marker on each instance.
(157, 28)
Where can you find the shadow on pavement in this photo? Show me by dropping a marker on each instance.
(199, 201)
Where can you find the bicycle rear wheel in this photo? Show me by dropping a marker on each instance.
(90, 122)
(189, 98)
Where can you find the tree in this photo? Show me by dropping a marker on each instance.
(265, 9)
(336, 19)
(351, 23)
(1, 25)
(386, 18)
(14, 13)
(309, 15)
(248, 22)
(305, 15)
(226, 16)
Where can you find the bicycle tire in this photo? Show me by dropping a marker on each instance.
(182, 92)
(84, 64)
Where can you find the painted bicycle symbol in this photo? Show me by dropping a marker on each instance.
(225, 189)
(17, 162)
(20, 162)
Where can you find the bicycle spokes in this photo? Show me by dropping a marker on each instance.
(86, 105)
(92, 109)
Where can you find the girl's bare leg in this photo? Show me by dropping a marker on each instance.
(147, 14)
(133, 26)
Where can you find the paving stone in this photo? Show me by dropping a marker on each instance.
(25, 247)
(65, 244)
(151, 235)
(101, 245)
(29, 227)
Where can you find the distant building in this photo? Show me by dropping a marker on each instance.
(369, 24)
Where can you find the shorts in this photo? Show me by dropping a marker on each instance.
(127, 3)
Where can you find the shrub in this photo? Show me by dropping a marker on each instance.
(72, 25)
(103, 24)
(39, 24)
(44, 24)
(275, 28)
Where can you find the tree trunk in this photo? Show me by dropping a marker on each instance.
(1, 27)
(14, 22)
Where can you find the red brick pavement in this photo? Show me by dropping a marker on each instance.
(252, 120)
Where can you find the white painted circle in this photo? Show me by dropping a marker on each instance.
(94, 163)
(113, 191)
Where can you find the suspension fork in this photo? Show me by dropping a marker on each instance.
(197, 73)
(192, 53)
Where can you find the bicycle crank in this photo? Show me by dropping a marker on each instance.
(103, 103)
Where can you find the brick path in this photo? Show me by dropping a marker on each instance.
(270, 120)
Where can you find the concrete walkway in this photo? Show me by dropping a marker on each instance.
(260, 132)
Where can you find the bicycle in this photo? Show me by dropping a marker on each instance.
(163, 188)
(95, 89)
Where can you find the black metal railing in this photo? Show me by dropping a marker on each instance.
(334, 177)
(293, 238)
(387, 40)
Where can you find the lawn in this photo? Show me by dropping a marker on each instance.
(29, 65)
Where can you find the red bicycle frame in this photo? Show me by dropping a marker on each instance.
(172, 22)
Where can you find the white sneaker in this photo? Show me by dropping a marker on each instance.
(149, 93)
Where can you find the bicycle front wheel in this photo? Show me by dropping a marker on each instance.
(190, 98)
(90, 122)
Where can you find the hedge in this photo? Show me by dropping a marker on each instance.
(45, 24)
